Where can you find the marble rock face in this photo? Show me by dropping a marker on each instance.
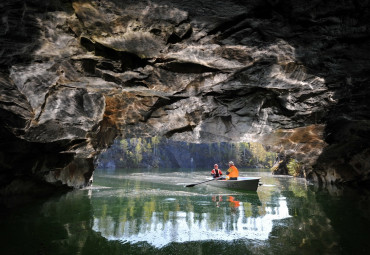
(74, 75)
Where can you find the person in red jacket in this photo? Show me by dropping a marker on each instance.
(216, 172)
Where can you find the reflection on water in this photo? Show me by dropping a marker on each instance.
(244, 217)
(144, 212)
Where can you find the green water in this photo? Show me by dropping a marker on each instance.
(151, 212)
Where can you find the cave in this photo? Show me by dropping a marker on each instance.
(75, 75)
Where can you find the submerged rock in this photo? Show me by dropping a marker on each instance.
(75, 75)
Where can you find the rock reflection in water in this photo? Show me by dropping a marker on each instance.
(218, 217)
(118, 216)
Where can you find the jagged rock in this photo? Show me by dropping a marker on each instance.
(76, 74)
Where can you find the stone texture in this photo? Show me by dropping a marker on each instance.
(76, 74)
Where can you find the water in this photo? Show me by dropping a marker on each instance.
(151, 212)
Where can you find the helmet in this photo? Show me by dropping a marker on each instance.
(215, 165)
(231, 163)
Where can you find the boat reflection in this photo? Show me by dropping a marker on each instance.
(183, 219)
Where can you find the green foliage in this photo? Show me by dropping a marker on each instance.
(294, 167)
(259, 156)
(238, 155)
(156, 152)
(155, 140)
(124, 145)
(138, 151)
(274, 167)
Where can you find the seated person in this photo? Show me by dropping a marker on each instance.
(233, 172)
(216, 172)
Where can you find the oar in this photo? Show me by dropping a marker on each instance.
(192, 185)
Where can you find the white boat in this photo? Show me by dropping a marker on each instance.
(242, 183)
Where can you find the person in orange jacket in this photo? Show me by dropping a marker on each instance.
(216, 172)
(233, 172)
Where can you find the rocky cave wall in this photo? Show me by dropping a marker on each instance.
(76, 74)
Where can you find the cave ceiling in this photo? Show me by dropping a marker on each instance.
(290, 74)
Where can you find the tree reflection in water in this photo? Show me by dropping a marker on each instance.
(159, 220)
(132, 216)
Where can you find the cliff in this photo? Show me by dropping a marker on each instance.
(158, 152)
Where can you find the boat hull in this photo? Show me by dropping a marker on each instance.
(243, 183)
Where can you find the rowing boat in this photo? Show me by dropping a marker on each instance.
(242, 183)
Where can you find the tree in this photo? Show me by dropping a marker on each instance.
(138, 151)
(155, 141)
(294, 167)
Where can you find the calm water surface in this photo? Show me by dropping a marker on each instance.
(151, 212)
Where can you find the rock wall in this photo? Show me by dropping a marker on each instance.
(76, 74)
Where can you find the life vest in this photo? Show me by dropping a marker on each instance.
(216, 173)
(233, 172)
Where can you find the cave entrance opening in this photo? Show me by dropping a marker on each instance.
(161, 152)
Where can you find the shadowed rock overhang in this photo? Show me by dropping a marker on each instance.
(77, 74)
